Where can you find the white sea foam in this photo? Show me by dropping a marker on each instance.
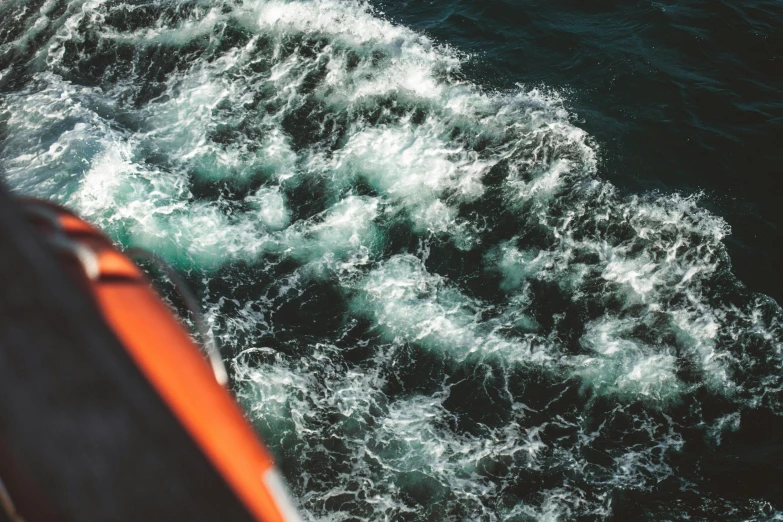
(411, 305)
(315, 151)
(625, 367)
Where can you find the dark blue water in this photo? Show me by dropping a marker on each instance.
(680, 96)
(467, 260)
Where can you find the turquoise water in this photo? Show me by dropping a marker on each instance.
(438, 299)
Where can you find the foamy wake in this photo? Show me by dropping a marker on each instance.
(382, 243)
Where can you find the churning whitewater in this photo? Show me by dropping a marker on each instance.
(432, 305)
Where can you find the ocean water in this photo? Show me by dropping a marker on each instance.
(467, 260)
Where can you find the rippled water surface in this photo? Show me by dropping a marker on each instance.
(467, 260)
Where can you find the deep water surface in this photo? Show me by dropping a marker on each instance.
(467, 260)
(680, 96)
